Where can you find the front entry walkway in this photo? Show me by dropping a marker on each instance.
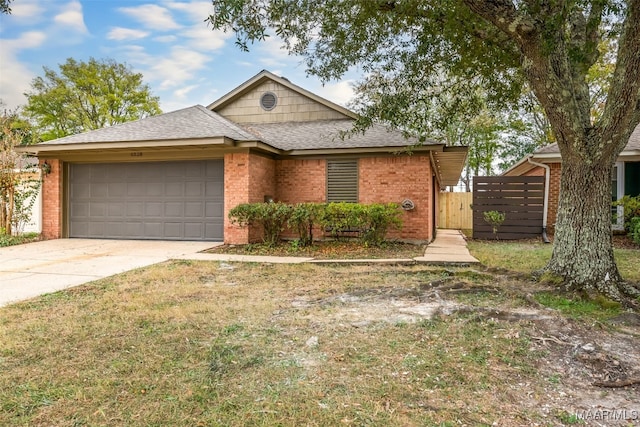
(449, 247)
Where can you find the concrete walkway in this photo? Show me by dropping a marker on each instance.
(449, 247)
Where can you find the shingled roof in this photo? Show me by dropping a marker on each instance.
(189, 123)
(632, 145)
(328, 134)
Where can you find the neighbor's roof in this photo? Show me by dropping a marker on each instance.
(632, 145)
(189, 123)
(551, 154)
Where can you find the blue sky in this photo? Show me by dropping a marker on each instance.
(181, 58)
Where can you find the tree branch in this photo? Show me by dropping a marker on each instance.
(622, 111)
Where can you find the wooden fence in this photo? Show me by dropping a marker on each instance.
(519, 198)
(454, 211)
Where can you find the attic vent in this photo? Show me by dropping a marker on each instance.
(268, 101)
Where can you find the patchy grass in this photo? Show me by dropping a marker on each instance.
(331, 249)
(212, 344)
(577, 308)
(525, 257)
(7, 240)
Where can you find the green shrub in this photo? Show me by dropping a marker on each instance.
(370, 222)
(272, 216)
(631, 208)
(342, 218)
(302, 218)
(634, 229)
(378, 218)
(495, 220)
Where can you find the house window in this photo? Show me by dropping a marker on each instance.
(342, 181)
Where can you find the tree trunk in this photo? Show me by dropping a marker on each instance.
(583, 250)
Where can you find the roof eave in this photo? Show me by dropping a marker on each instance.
(364, 150)
(82, 146)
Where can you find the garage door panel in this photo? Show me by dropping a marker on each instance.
(194, 189)
(173, 209)
(214, 210)
(214, 189)
(194, 210)
(173, 189)
(168, 200)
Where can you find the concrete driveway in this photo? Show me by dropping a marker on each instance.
(48, 266)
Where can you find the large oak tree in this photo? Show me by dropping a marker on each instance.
(85, 96)
(423, 46)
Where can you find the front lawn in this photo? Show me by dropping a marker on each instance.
(222, 344)
(525, 257)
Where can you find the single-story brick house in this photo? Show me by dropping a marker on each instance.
(177, 175)
(625, 179)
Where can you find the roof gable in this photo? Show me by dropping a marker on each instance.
(293, 103)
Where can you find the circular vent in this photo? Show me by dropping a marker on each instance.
(268, 101)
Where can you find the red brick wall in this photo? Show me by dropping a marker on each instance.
(301, 181)
(52, 201)
(537, 171)
(554, 195)
(393, 179)
(247, 179)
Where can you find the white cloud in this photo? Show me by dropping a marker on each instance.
(27, 10)
(151, 16)
(340, 93)
(71, 16)
(182, 93)
(198, 11)
(16, 77)
(176, 69)
(27, 40)
(119, 33)
(203, 38)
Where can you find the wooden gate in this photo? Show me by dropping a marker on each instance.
(454, 211)
(519, 198)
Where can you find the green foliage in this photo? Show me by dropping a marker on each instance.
(271, 216)
(378, 219)
(370, 222)
(631, 208)
(302, 218)
(88, 95)
(342, 218)
(9, 240)
(19, 182)
(634, 229)
(494, 219)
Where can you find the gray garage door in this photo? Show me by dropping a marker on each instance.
(159, 200)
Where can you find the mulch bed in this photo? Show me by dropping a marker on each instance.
(327, 250)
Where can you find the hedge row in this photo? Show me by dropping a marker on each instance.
(369, 222)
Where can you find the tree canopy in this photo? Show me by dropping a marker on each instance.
(89, 95)
(414, 51)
